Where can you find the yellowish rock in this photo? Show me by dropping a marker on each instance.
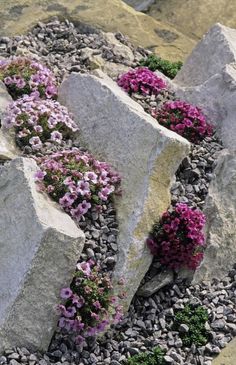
(227, 356)
(17, 16)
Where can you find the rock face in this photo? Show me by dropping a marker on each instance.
(212, 84)
(213, 52)
(111, 16)
(140, 5)
(115, 128)
(39, 247)
(227, 355)
(220, 210)
(8, 148)
(156, 283)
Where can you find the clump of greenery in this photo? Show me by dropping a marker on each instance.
(168, 68)
(154, 358)
(195, 318)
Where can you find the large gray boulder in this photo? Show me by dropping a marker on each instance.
(208, 80)
(115, 128)
(39, 248)
(212, 53)
(220, 210)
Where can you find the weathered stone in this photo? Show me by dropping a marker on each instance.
(217, 92)
(220, 211)
(156, 283)
(119, 48)
(140, 5)
(115, 128)
(212, 53)
(109, 15)
(227, 355)
(8, 148)
(39, 247)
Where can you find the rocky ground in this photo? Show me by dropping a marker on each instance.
(64, 47)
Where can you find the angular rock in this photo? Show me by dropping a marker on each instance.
(220, 211)
(8, 149)
(115, 128)
(212, 53)
(215, 81)
(156, 283)
(39, 248)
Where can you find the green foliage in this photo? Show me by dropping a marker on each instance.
(168, 68)
(154, 358)
(195, 319)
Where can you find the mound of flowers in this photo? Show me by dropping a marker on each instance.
(77, 181)
(178, 240)
(184, 119)
(25, 76)
(141, 80)
(37, 121)
(90, 306)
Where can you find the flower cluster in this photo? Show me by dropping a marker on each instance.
(76, 180)
(184, 119)
(37, 121)
(178, 239)
(90, 306)
(25, 76)
(141, 80)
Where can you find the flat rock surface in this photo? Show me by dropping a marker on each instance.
(227, 356)
(17, 16)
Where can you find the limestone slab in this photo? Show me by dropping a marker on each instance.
(220, 211)
(39, 248)
(216, 49)
(115, 128)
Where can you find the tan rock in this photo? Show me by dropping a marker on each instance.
(227, 355)
(110, 15)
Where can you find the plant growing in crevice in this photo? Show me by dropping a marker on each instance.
(141, 80)
(184, 119)
(37, 121)
(89, 304)
(177, 240)
(195, 319)
(168, 68)
(26, 76)
(156, 357)
(77, 181)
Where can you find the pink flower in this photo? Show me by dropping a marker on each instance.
(56, 137)
(39, 175)
(84, 267)
(91, 176)
(36, 143)
(66, 293)
(83, 188)
(67, 200)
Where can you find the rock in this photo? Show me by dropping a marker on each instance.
(227, 355)
(119, 48)
(140, 5)
(183, 328)
(212, 53)
(114, 69)
(143, 152)
(8, 149)
(109, 15)
(220, 211)
(39, 248)
(212, 85)
(156, 283)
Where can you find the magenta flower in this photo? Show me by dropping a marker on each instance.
(141, 80)
(39, 175)
(178, 239)
(56, 137)
(36, 143)
(184, 119)
(83, 188)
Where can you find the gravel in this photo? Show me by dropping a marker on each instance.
(63, 47)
